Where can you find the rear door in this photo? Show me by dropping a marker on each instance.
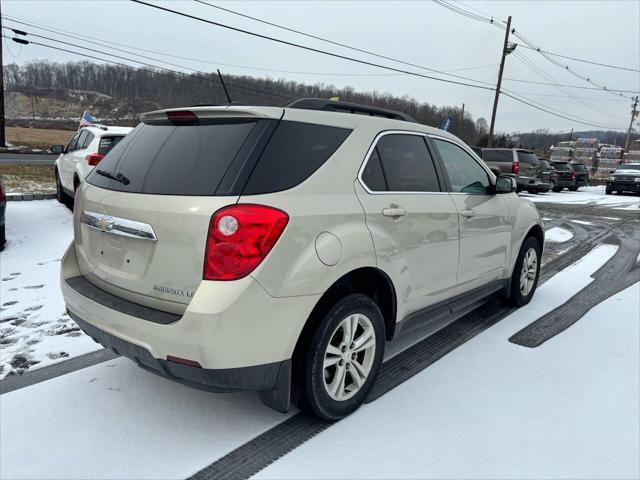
(413, 222)
(142, 222)
(485, 221)
(65, 164)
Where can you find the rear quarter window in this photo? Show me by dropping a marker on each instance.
(108, 142)
(296, 150)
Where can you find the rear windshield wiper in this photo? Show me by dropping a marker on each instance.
(118, 177)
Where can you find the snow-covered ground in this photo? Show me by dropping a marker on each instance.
(557, 235)
(34, 328)
(489, 409)
(594, 196)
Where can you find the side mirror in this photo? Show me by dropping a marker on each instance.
(506, 184)
(57, 149)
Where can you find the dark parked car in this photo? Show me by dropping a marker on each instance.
(625, 178)
(3, 206)
(547, 174)
(582, 176)
(522, 164)
(566, 177)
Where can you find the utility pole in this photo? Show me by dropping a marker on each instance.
(506, 50)
(2, 137)
(571, 135)
(461, 122)
(634, 114)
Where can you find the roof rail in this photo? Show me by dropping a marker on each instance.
(347, 107)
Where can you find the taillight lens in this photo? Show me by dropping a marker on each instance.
(3, 196)
(240, 237)
(515, 167)
(94, 158)
(573, 175)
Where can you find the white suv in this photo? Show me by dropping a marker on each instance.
(84, 151)
(275, 248)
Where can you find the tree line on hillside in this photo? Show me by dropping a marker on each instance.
(168, 89)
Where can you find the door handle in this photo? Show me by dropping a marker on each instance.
(468, 213)
(394, 212)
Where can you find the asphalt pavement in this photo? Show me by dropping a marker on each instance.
(27, 158)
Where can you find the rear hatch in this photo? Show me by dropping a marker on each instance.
(544, 172)
(142, 219)
(529, 164)
(581, 172)
(565, 172)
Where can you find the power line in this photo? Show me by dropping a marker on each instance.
(155, 66)
(528, 42)
(109, 43)
(311, 49)
(564, 85)
(332, 42)
(618, 67)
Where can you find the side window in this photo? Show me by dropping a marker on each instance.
(465, 174)
(81, 139)
(71, 146)
(406, 164)
(87, 140)
(372, 175)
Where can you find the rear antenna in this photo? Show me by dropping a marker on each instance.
(224, 86)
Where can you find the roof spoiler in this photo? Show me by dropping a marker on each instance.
(347, 107)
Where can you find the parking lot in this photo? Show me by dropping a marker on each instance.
(548, 390)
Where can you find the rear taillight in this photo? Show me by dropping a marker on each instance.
(3, 196)
(94, 158)
(240, 237)
(515, 167)
(573, 175)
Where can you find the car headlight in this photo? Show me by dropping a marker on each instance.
(611, 179)
(637, 179)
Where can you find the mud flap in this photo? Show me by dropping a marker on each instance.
(280, 397)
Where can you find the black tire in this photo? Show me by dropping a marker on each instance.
(61, 196)
(557, 189)
(3, 237)
(574, 189)
(516, 297)
(312, 391)
(607, 191)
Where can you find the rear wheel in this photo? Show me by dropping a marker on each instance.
(61, 196)
(557, 189)
(343, 358)
(524, 279)
(573, 189)
(608, 191)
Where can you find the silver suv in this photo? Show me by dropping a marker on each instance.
(278, 249)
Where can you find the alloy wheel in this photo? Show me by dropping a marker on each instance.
(349, 357)
(529, 271)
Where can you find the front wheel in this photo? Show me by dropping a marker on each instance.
(3, 237)
(524, 279)
(343, 358)
(573, 189)
(608, 191)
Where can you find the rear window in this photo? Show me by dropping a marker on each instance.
(295, 151)
(562, 166)
(578, 167)
(497, 155)
(108, 142)
(528, 157)
(173, 160)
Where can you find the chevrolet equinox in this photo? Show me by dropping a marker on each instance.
(277, 249)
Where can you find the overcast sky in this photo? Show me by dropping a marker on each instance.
(422, 33)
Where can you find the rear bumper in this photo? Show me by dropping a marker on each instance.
(241, 336)
(562, 182)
